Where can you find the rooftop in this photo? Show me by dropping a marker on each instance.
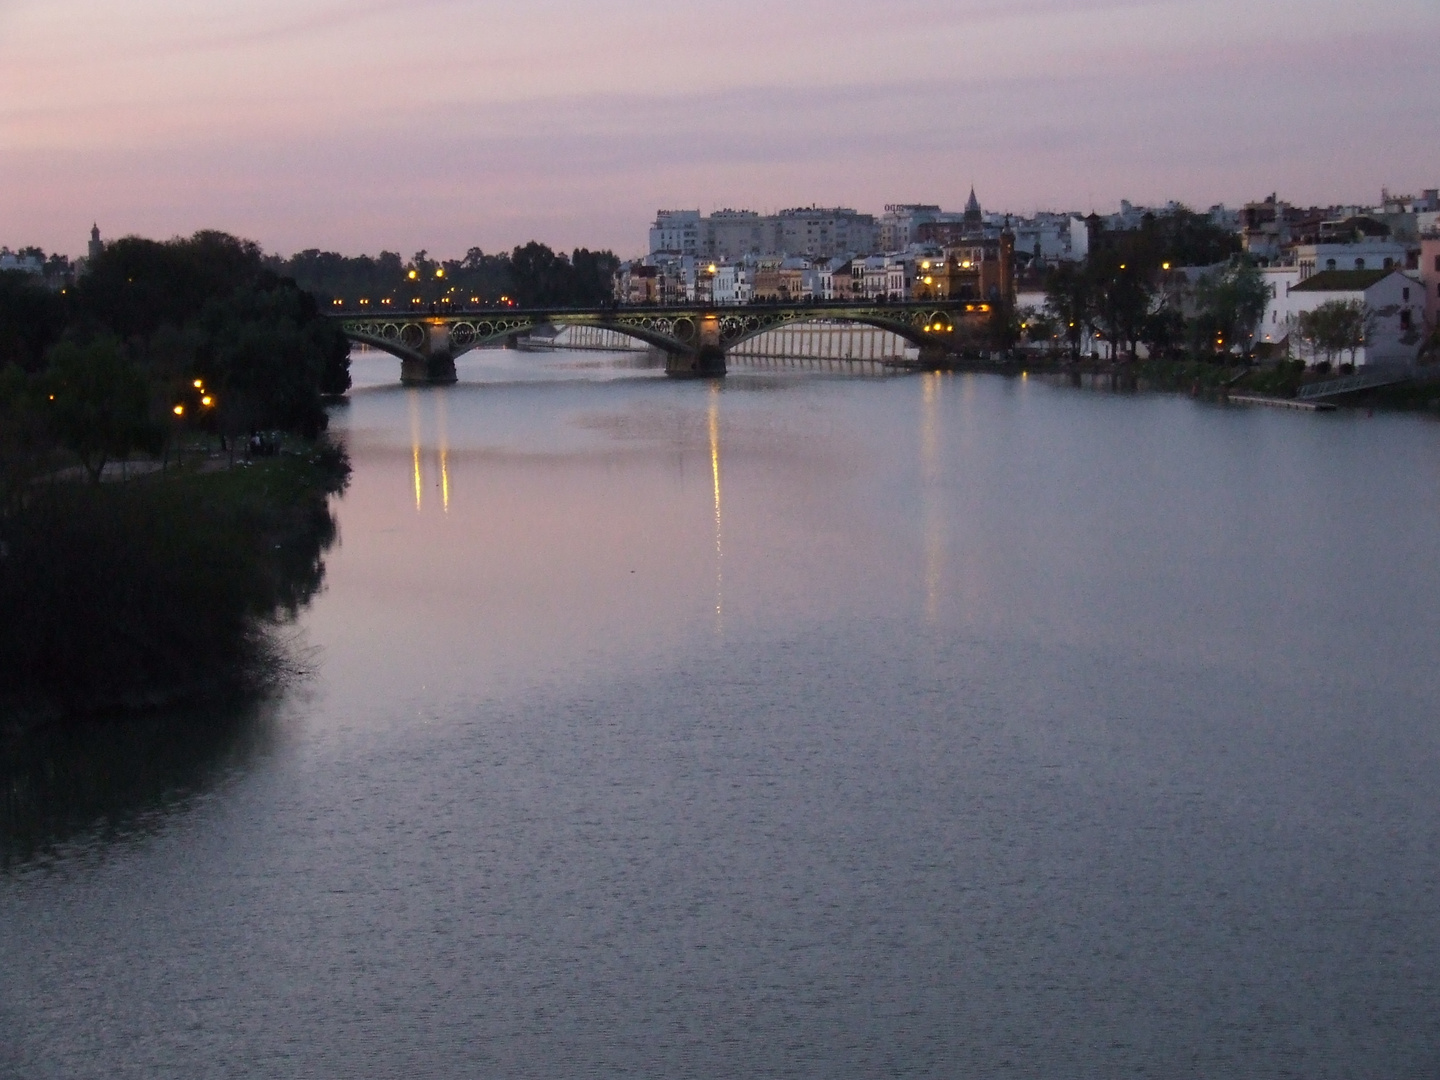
(1342, 280)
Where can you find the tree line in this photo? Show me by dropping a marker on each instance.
(1128, 292)
(156, 337)
(531, 275)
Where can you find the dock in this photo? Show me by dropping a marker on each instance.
(1281, 403)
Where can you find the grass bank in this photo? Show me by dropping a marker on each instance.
(119, 597)
(1206, 378)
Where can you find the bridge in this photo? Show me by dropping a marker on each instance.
(694, 338)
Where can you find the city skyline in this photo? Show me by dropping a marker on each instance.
(439, 124)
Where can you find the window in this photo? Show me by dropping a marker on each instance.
(1389, 263)
(1329, 264)
(1359, 264)
(1437, 264)
(1404, 294)
(1405, 319)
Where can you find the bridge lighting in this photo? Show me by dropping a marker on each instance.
(413, 275)
(1164, 266)
(199, 384)
(207, 401)
(439, 271)
(179, 410)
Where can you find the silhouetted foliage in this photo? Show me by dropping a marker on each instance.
(1070, 300)
(1231, 301)
(32, 318)
(532, 274)
(1181, 238)
(148, 319)
(98, 405)
(136, 286)
(124, 595)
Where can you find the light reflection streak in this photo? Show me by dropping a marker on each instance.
(413, 401)
(931, 517)
(715, 473)
(442, 426)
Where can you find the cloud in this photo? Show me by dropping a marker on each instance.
(326, 20)
(553, 130)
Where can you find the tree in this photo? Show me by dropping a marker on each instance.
(99, 403)
(135, 286)
(1232, 301)
(1039, 327)
(1070, 299)
(594, 276)
(1334, 327)
(269, 359)
(32, 318)
(1163, 331)
(24, 447)
(1122, 293)
(542, 278)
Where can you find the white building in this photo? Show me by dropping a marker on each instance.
(25, 264)
(732, 284)
(1365, 255)
(899, 277)
(1079, 238)
(676, 231)
(814, 232)
(1394, 303)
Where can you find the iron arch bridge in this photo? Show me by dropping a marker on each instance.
(694, 338)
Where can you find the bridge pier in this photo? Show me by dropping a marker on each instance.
(934, 356)
(705, 357)
(437, 369)
(706, 362)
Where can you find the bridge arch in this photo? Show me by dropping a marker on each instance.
(694, 337)
(926, 328)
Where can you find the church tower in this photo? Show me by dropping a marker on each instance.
(972, 210)
(95, 245)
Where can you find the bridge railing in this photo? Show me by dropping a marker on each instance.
(1362, 380)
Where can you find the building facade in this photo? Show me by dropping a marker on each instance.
(1394, 312)
(1430, 279)
(728, 235)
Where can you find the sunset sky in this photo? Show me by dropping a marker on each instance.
(444, 124)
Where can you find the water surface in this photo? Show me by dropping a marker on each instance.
(797, 726)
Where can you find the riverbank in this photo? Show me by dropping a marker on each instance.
(1203, 378)
(126, 597)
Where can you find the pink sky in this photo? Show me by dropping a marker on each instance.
(442, 124)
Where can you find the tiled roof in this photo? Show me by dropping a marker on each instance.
(1341, 280)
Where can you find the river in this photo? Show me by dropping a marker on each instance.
(801, 725)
